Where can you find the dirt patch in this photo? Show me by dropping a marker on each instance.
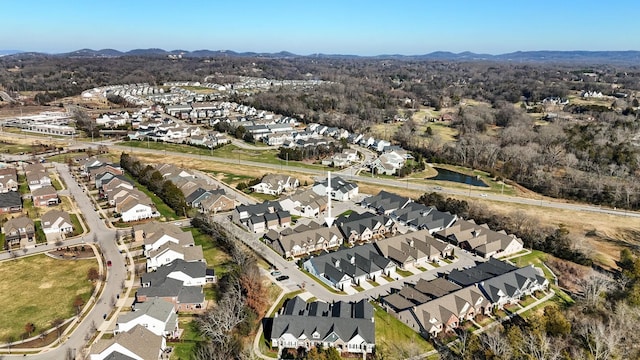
(73, 253)
(46, 285)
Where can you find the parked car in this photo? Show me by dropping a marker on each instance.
(109, 263)
(276, 273)
(282, 278)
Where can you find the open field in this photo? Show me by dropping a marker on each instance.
(228, 151)
(29, 293)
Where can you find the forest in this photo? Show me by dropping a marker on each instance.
(576, 151)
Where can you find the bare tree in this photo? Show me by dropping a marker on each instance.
(538, 346)
(217, 323)
(497, 343)
(600, 340)
(593, 286)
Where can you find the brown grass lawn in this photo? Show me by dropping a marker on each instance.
(39, 289)
(612, 233)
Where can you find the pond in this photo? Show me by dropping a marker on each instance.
(448, 175)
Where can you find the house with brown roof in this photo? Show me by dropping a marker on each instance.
(445, 313)
(414, 248)
(217, 201)
(305, 203)
(306, 242)
(45, 196)
(19, 231)
(56, 222)
(8, 179)
(480, 239)
(138, 343)
(275, 184)
(37, 176)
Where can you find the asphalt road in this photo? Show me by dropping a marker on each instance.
(116, 274)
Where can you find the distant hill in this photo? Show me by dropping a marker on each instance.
(620, 57)
(10, 52)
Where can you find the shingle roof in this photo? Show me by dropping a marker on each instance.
(195, 269)
(138, 340)
(157, 308)
(10, 199)
(330, 321)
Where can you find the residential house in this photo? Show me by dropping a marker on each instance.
(418, 217)
(445, 313)
(347, 327)
(184, 298)
(350, 266)
(261, 217)
(143, 231)
(133, 205)
(156, 238)
(385, 202)
(157, 316)
(45, 196)
(19, 231)
(56, 222)
(341, 189)
(194, 273)
(479, 273)
(296, 244)
(8, 179)
(37, 176)
(218, 201)
(137, 344)
(414, 249)
(10, 202)
(411, 295)
(275, 184)
(365, 227)
(304, 203)
(170, 252)
(481, 240)
(510, 287)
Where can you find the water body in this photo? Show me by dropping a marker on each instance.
(448, 175)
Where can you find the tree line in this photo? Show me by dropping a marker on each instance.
(148, 176)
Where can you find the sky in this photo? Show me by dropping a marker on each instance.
(306, 27)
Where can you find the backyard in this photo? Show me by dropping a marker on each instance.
(29, 294)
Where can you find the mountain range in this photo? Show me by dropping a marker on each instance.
(627, 57)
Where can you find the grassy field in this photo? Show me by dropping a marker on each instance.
(77, 227)
(183, 350)
(29, 293)
(395, 338)
(215, 257)
(229, 151)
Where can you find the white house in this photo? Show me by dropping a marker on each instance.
(137, 343)
(169, 252)
(157, 316)
(56, 221)
(131, 210)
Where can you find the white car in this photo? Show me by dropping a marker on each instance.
(483, 195)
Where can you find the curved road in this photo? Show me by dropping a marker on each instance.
(116, 274)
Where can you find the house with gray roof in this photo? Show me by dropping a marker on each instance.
(10, 202)
(411, 295)
(8, 179)
(259, 218)
(482, 271)
(347, 327)
(365, 227)
(510, 287)
(350, 266)
(305, 203)
(385, 202)
(183, 298)
(191, 273)
(138, 343)
(418, 217)
(341, 190)
(157, 316)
